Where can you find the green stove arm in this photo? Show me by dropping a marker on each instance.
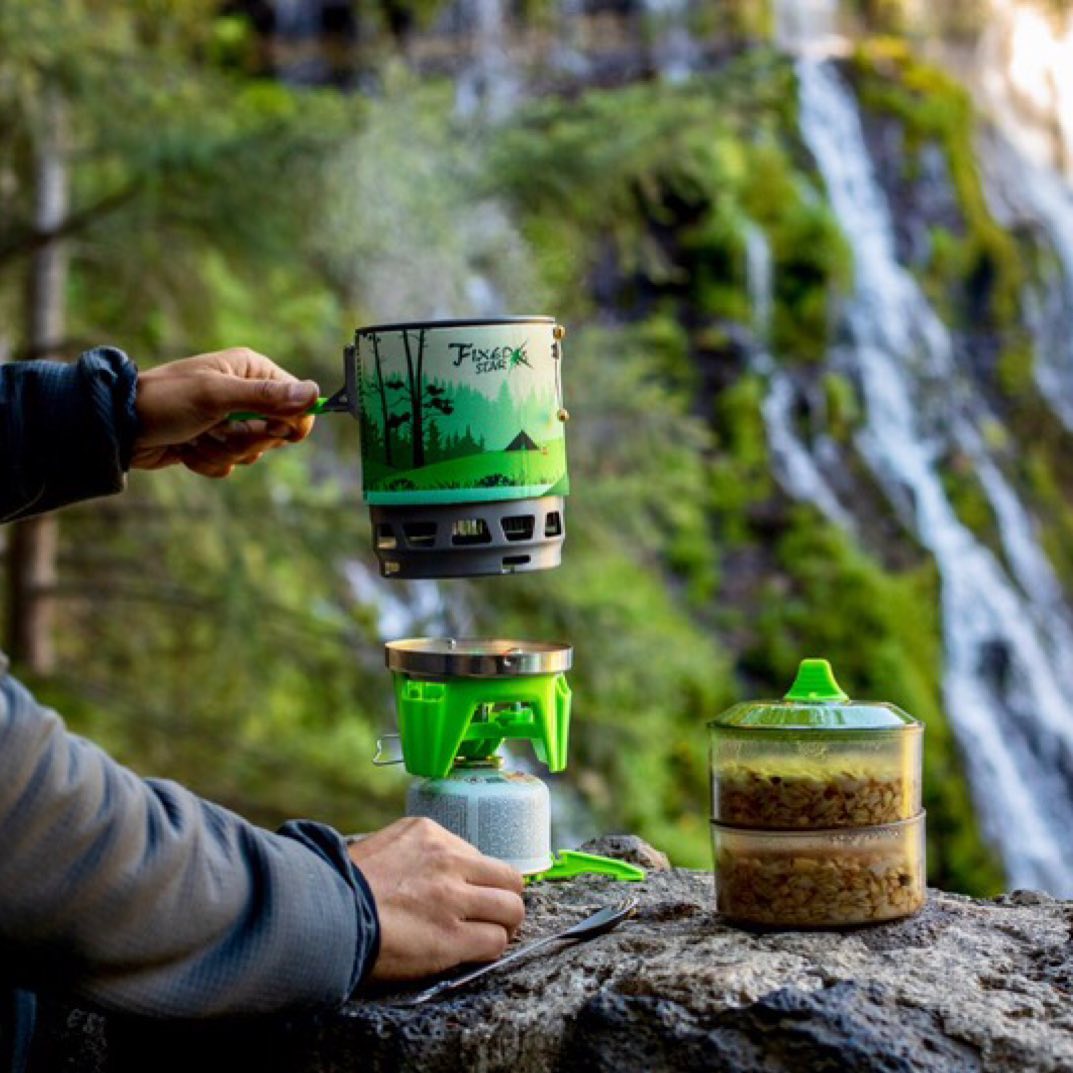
(569, 863)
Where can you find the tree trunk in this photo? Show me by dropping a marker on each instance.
(419, 403)
(33, 544)
(383, 399)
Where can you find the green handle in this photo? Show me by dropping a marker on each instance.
(248, 415)
(815, 683)
(569, 863)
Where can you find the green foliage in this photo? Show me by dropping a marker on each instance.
(673, 191)
(1016, 370)
(1045, 467)
(206, 631)
(969, 500)
(843, 408)
(214, 633)
(240, 663)
(741, 473)
(932, 107)
(811, 262)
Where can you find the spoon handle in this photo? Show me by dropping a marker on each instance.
(603, 920)
(460, 981)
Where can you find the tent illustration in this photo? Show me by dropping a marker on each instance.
(522, 442)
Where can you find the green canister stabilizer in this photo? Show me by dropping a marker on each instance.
(458, 702)
(463, 443)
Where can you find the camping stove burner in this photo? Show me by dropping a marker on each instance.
(469, 539)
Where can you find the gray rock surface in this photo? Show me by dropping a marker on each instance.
(966, 985)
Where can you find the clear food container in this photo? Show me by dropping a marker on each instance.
(809, 879)
(815, 759)
(816, 813)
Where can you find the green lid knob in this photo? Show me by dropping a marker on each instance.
(816, 682)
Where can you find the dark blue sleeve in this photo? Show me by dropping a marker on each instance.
(140, 896)
(66, 431)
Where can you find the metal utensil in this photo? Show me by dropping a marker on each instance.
(603, 920)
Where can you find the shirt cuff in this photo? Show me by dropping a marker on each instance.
(330, 846)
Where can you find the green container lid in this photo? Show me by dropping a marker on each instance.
(814, 701)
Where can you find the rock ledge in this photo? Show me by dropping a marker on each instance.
(966, 985)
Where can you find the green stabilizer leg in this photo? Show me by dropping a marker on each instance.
(569, 863)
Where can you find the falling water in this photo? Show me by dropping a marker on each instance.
(1021, 75)
(794, 465)
(808, 27)
(758, 278)
(1021, 72)
(1025, 192)
(675, 51)
(567, 49)
(1008, 683)
(489, 84)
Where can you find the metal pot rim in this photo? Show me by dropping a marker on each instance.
(476, 322)
(477, 657)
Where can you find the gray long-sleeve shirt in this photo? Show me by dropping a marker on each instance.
(134, 893)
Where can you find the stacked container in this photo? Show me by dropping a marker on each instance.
(816, 816)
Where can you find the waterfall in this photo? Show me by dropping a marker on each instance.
(759, 281)
(1008, 677)
(676, 53)
(490, 83)
(794, 466)
(1021, 72)
(1021, 76)
(1028, 193)
(567, 53)
(808, 26)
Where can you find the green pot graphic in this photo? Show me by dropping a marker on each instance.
(461, 412)
(463, 444)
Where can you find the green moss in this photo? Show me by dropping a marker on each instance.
(666, 343)
(1052, 493)
(947, 260)
(741, 22)
(717, 277)
(881, 16)
(970, 502)
(1016, 368)
(741, 471)
(933, 107)
(810, 259)
(811, 265)
(842, 406)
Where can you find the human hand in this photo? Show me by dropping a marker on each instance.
(183, 406)
(441, 903)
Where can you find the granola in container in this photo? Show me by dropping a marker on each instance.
(815, 795)
(814, 879)
(816, 808)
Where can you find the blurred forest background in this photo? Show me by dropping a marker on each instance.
(748, 488)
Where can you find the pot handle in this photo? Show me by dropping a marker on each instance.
(345, 400)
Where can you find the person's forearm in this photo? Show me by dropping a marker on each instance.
(66, 431)
(140, 896)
